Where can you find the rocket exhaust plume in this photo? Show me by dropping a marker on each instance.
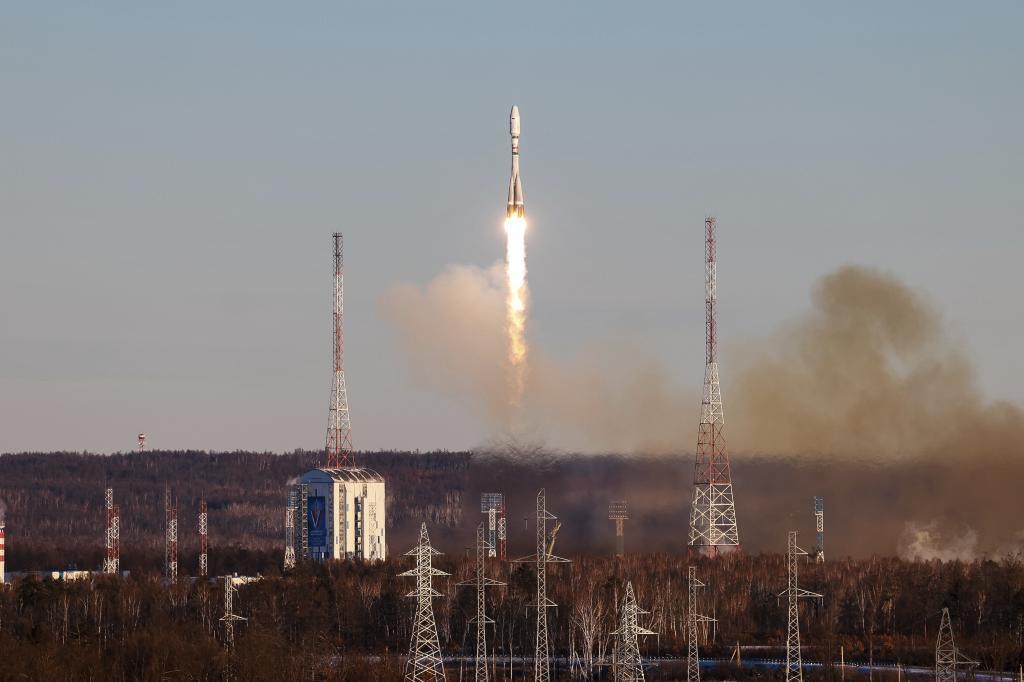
(515, 272)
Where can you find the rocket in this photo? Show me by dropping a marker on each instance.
(515, 187)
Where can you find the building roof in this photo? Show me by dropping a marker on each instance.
(352, 474)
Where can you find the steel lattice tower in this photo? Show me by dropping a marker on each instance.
(289, 530)
(617, 513)
(628, 665)
(425, 661)
(171, 538)
(112, 560)
(541, 559)
(204, 539)
(230, 617)
(693, 622)
(493, 505)
(819, 527)
(339, 426)
(947, 656)
(481, 582)
(713, 513)
(793, 592)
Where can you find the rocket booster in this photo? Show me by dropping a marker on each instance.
(515, 187)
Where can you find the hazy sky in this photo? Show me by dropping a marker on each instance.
(170, 177)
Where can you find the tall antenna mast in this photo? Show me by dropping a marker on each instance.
(111, 563)
(713, 513)
(424, 661)
(481, 581)
(543, 557)
(628, 665)
(793, 593)
(170, 538)
(339, 426)
(204, 539)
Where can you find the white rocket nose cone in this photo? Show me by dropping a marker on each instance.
(513, 120)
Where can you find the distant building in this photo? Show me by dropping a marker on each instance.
(340, 514)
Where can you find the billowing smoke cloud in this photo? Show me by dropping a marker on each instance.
(925, 542)
(868, 373)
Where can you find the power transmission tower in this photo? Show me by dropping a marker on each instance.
(947, 656)
(617, 513)
(204, 539)
(481, 581)
(111, 562)
(230, 617)
(289, 531)
(628, 666)
(713, 512)
(425, 661)
(543, 557)
(793, 592)
(171, 537)
(339, 426)
(493, 505)
(819, 527)
(693, 622)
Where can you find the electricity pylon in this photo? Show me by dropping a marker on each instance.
(481, 581)
(629, 666)
(947, 656)
(793, 592)
(425, 661)
(693, 620)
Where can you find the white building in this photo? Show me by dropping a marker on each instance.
(340, 515)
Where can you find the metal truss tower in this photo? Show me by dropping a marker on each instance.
(204, 539)
(425, 661)
(819, 527)
(142, 442)
(171, 537)
(713, 512)
(289, 531)
(339, 426)
(541, 559)
(230, 617)
(693, 622)
(481, 581)
(617, 513)
(112, 560)
(493, 505)
(947, 656)
(793, 592)
(628, 666)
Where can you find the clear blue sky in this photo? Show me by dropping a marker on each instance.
(170, 175)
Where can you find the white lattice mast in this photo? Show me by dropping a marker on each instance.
(793, 593)
(425, 662)
(289, 531)
(819, 528)
(694, 621)
(543, 557)
(628, 665)
(170, 537)
(617, 513)
(947, 656)
(230, 617)
(111, 559)
(481, 582)
(339, 426)
(713, 513)
(204, 539)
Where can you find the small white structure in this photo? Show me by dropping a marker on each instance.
(341, 514)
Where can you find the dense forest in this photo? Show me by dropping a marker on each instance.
(352, 620)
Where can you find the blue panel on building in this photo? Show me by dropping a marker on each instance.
(317, 521)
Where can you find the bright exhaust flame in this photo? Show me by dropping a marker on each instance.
(515, 315)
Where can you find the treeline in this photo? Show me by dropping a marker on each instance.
(352, 620)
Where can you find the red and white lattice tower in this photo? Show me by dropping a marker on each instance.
(339, 427)
(3, 559)
(713, 512)
(204, 539)
(170, 538)
(142, 442)
(112, 560)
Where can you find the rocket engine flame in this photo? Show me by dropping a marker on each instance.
(515, 304)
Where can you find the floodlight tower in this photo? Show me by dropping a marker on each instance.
(793, 592)
(204, 539)
(481, 582)
(339, 426)
(617, 513)
(142, 442)
(693, 622)
(543, 557)
(493, 505)
(819, 527)
(713, 528)
(170, 537)
(628, 665)
(425, 662)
